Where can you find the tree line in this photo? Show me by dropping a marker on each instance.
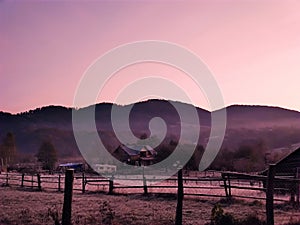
(46, 154)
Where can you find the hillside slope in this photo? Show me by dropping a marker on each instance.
(277, 127)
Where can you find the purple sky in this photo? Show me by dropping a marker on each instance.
(252, 47)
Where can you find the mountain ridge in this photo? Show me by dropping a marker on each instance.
(245, 123)
(110, 103)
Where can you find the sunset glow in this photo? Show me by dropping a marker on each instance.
(251, 47)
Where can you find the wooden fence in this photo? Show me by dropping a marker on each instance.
(233, 181)
(223, 185)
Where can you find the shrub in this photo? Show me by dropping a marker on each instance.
(218, 217)
(250, 220)
(107, 213)
(54, 215)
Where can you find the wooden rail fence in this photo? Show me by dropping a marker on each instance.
(222, 186)
(219, 186)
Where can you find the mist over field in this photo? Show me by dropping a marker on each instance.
(258, 131)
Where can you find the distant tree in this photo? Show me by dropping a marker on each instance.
(193, 163)
(163, 151)
(47, 155)
(173, 143)
(152, 141)
(224, 160)
(251, 157)
(143, 136)
(8, 150)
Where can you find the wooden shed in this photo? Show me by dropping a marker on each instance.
(78, 167)
(288, 167)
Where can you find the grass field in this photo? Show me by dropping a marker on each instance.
(32, 207)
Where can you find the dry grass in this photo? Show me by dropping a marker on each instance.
(31, 207)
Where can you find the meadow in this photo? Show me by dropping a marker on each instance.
(26, 206)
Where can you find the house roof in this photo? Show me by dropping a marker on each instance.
(71, 165)
(129, 151)
(290, 161)
(296, 151)
(135, 149)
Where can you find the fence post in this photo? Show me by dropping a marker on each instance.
(145, 182)
(31, 181)
(145, 185)
(6, 184)
(297, 187)
(22, 181)
(111, 185)
(225, 185)
(83, 183)
(229, 188)
(179, 199)
(39, 182)
(292, 187)
(59, 184)
(270, 195)
(67, 207)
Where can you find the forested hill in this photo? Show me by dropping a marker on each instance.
(275, 127)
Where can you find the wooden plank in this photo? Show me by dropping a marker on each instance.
(205, 195)
(246, 188)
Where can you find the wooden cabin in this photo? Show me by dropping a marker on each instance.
(288, 167)
(135, 154)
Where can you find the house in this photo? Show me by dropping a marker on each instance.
(135, 154)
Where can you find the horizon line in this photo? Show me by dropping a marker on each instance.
(226, 106)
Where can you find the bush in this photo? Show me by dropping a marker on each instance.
(107, 213)
(293, 221)
(250, 220)
(218, 217)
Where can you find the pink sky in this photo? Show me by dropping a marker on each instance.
(252, 47)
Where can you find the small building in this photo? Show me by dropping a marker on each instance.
(288, 167)
(135, 154)
(104, 168)
(78, 167)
